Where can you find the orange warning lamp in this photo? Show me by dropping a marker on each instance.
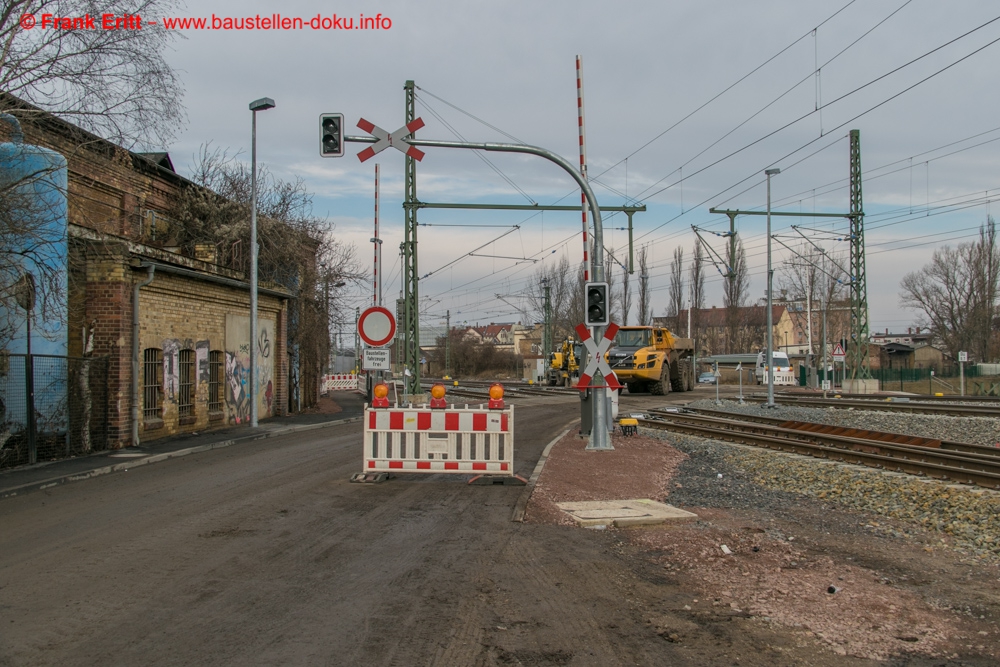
(496, 397)
(381, 393)
(437, 396)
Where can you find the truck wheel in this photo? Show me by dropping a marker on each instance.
(683, 382)
(662, 387)
(678, 379)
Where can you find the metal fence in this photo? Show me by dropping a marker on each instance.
(890, 375)
(51, 407)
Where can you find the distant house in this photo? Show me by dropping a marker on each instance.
(913, 337)
(496, 334)
(718, 331)
(914, 349)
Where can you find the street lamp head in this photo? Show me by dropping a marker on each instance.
(772, 172)
(263, 104)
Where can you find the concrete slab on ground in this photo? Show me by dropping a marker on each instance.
(622, 513)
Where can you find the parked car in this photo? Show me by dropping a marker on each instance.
(706, 378)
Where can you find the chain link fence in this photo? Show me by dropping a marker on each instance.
(51, 407)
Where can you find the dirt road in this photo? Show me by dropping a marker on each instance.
(266, 554)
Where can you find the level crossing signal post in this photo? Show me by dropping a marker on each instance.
(403, 141)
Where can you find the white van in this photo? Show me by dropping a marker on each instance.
(783, 373)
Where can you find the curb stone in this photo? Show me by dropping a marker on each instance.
(521, 506)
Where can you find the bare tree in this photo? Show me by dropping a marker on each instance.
(471, 357)
(735, 297)
(626, 299)
(565, 295)
(297, 250)
(956, 294)
(645, 313)
(114, 83)
(696, 286)
(675, 303)
(614, 310)
(818, 279)
(32, 250)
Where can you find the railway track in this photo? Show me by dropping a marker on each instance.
(480, 389)
(957, 462)
(886, 405)
(929, 398)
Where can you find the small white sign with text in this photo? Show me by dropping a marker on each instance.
(375, 359)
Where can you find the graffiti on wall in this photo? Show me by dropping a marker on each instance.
(171, 365)
(201, 355)
(171, 380)
(238, 367)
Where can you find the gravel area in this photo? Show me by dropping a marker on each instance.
(962, 517)
(974, 430)
(780, 568)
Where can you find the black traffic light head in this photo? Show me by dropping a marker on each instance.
(597, 304)
(331, 135)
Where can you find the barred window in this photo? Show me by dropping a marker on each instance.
(185, 391)
(152, 383)
(215, 370)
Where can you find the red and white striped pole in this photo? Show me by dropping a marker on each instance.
(376, 286)
(583, 166)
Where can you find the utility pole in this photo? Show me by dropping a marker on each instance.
(357, 341)
(769, 364)
(547, 328)
(858, 342)
(326, 315)
(411, 310)
(447, 343)
(822, 353)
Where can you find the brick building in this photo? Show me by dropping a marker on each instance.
(183, 352)
(716, 334)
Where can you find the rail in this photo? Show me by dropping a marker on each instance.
(979, 468)
(884, 404)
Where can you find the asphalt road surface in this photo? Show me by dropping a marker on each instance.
(265, 554)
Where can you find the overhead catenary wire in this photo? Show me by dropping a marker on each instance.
(868, 177)
(842, 97)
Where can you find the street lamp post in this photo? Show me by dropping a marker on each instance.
(262, 104)
(769, 362)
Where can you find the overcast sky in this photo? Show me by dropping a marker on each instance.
(664, 123)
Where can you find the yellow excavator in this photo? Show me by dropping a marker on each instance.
(564, 364)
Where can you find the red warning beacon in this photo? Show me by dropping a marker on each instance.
(380, 396)
(496, 397)
(437, 397)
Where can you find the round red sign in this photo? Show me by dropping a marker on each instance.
(376, 326)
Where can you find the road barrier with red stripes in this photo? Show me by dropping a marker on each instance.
(453, 440)
(340, 382)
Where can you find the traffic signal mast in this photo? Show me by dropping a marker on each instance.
(331, 135)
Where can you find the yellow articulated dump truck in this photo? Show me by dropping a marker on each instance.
(564, 364)
(650, 359)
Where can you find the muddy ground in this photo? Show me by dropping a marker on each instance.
(806, 582)
(264, 554)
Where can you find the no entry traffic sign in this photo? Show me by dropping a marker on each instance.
(376, 326)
